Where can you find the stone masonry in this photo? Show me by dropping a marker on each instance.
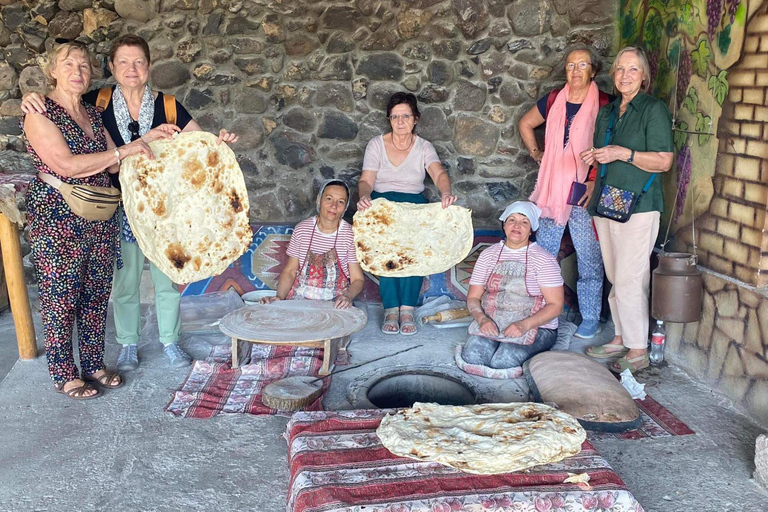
(305, 83)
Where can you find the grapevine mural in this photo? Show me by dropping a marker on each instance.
(690, 45)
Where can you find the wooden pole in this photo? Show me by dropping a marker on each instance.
(17, 288)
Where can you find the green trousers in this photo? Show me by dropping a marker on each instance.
(125, 297)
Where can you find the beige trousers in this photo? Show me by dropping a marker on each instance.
(626, 252)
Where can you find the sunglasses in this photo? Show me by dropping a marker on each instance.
(133, 127)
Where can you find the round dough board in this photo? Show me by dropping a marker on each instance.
(291, 321)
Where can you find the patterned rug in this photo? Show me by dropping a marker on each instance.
(213, 387)
(656, 420)
(337, 463)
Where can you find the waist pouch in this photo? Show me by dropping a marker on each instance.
(86, 201)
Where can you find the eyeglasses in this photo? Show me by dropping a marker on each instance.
(582, 65)
(133, 127)
(405, 117)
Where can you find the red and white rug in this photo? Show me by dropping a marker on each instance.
(213, 387)
(338, 464)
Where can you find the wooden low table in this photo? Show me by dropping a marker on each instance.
(301, 323)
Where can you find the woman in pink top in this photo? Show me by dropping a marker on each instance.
(394, 168)
(321, 254)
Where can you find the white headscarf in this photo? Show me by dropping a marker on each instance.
(527, 208)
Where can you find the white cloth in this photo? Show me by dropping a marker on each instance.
(527, 208)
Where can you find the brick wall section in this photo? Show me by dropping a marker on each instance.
(731, 236)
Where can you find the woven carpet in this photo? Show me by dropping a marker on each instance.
(657, 422)
(337, 463)
(213, 387)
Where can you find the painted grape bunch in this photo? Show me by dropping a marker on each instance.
(714, 13)
(683, 76)
(683, 179)
(732, 6)
(653, 63)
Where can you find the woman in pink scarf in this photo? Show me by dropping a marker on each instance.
(570, 115)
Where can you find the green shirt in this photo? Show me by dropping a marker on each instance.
(645, 126)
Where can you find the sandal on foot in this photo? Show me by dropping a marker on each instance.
(393, 322)
(601, 352)
(77, 393)
(634, 364)
(105, 379)
(407, 323)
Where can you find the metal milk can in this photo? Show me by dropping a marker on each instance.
(677, 288)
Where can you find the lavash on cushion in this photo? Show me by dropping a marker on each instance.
(483, 439)
(188, 207)
(406, 239)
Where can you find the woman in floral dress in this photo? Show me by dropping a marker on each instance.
(73, 256)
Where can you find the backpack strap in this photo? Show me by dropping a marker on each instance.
(551, 101)
(103, 99)
(603, 98)
(169, 103)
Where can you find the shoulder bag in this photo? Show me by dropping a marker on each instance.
(616, 203)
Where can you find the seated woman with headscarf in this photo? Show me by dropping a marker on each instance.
(515, 295)
(321, 254)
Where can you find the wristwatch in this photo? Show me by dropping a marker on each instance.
(631, 157)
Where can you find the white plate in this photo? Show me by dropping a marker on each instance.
(254, 297)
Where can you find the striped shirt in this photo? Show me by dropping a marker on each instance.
(322, 243)
(543, 270)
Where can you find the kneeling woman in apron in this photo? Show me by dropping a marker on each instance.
(321, 254)
(515, 296)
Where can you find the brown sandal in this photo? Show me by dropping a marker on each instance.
(77, 393)
(105, 380)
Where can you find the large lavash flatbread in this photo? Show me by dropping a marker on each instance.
(406, 239)
(188, 208)
(484, 439)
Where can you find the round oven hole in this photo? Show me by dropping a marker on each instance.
(405, 389)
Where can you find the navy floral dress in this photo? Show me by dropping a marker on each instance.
(74, 257)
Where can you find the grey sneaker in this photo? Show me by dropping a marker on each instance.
(129, 358)
(176, 357)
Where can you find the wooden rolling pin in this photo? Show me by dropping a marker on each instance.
(448, 314)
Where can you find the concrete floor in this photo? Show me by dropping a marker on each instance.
(123, 452)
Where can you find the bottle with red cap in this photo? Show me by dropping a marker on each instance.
(658, 340)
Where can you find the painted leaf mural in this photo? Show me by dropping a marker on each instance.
(690, 46)
(718, 84)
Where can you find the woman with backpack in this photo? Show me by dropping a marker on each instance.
(130, 111)
(564, 185)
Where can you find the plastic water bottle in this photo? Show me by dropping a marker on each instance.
(658, 340)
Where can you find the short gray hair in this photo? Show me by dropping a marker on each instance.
(594, 58)
(646, 84)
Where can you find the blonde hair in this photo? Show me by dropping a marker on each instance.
(51, 57)
(646, 84)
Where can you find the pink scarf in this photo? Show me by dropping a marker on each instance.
(562, 165)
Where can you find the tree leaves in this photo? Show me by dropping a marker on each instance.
(703, 125)
(691, 101)
(700, 58)
(718, 84)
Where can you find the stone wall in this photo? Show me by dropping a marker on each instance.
(305, 83)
